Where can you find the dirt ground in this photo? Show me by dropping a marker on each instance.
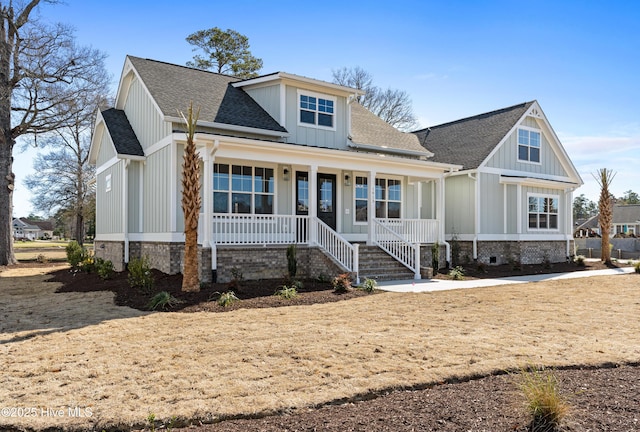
(75, 360)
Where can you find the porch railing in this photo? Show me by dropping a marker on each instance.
(336, 246)
(260, 229)
(414, 230)
(398, 247)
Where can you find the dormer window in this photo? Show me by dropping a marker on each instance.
(316, 110)
(528, 145)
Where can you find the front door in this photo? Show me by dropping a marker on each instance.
(327, 199)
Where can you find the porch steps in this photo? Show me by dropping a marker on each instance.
(377, 264)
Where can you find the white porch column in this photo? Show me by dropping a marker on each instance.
(313, 203)
(440, 211)
(371, 207)
(519, 208)
(207, 192)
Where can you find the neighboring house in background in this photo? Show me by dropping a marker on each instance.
(625, 220)
(512, 200)
(46, 228)
(25, 230)
(288, 159)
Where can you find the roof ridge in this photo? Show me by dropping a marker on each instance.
(184, 67)
(485, 114)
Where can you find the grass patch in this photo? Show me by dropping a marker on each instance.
(544, 403)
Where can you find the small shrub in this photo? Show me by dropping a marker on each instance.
(515, 263)
(369, 285)
(323, 278)
(140, 276)
(455, 249)
(482, 267)
(163, 300)
(42, 258)
(227, 299)
(75, 254)
(435, 257)
(543, 401)
(287, 292)
(636, 267)
(88, 264)
(236, 279)
(104, 268)
(292, 261)
(342, 283)
(456, 273)
(579, 260)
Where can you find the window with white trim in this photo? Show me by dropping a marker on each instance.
(388, 198)
(316, 110)
(528, 145)
(243, 189)
(361, 199)
(543, 212)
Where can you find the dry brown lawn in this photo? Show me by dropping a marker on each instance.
(62, 351)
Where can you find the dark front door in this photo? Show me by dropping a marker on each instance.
(327, 199)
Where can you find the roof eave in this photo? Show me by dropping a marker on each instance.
(385, 149)
(235, 128)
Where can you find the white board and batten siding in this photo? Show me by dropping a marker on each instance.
(316, 136)
(146, 121)
(506, 156)
(109, 195)
(107, 151)
(268, 97)
(460, 199)
(157, 191)
(134, 204)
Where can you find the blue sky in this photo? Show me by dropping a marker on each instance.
(579, 59)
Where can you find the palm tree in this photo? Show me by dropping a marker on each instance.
(191, 204)
(604, 177)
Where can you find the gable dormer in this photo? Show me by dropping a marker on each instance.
(316, 113)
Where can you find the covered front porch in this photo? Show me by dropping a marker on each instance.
(328, 199)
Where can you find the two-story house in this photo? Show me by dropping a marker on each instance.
(287, 160)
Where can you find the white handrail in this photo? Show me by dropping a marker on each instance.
(406, 253)
(337, 246)
(414, 230)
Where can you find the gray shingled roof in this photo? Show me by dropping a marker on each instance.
(174, 87)
(122, 134)
(626, 213)
(469, 141)
(369, 129)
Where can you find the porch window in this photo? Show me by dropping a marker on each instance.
(543, 212)
(528, 145)
(388, 198)
(242, 189)
(361, 198)
(316, 110)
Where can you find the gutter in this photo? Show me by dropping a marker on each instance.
(385, 149)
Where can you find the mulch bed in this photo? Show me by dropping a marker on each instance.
(601, 399)
(260, 293)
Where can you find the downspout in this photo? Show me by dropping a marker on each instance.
(125, 210)
(476, 216)
(569, 224)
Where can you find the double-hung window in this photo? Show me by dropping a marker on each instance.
(316, 110)
(543, 212)
(388, 198)
(528, 145)
(362, 197)
(242, 189)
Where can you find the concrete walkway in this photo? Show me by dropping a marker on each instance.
(426, 285)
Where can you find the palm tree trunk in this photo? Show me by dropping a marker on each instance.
(191, 204)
